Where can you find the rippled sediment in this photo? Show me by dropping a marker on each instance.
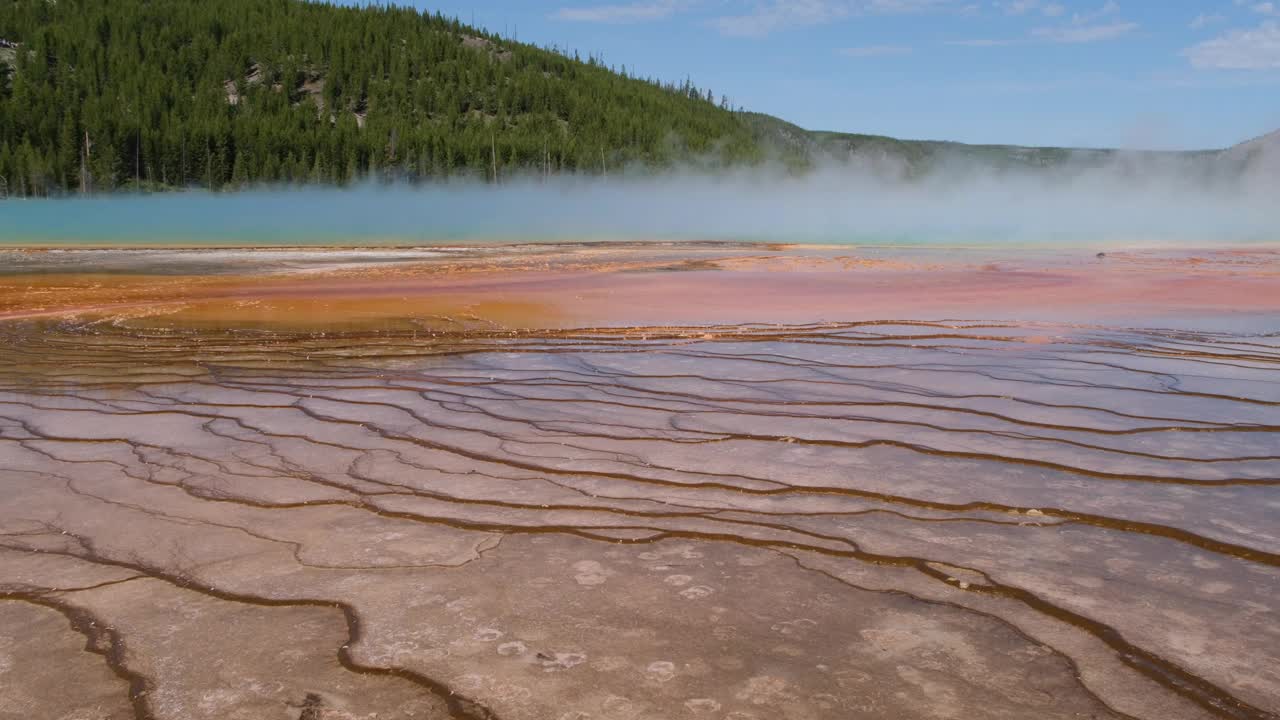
(879, 519)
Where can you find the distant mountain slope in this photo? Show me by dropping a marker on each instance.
(913, 158)
(1258, 157)
(1268, 142)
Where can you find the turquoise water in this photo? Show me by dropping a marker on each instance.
(815, 211)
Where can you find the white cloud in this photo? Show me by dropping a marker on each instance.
(1256, 49)
(1202, 20)
(1086, 28)
(874, 51)
(1084, 33)
(619, 14)
(778, 14)
(1081, 28)
(900, 6)
(1262, 8)
(1111, 7)
(1022, 7)
(984, 42)
(767, 16)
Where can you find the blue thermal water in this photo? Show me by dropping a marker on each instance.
(819, 210)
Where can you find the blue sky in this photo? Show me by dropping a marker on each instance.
(1174, 74)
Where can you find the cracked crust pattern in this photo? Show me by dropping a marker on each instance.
(878, 519)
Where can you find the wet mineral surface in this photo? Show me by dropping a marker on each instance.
(863, 519)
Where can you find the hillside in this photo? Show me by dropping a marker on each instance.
(1257, 157)
(175, 93)
(913, 158)
(97, 95)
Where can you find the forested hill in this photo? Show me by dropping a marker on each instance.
(100, 94)
(97, 95)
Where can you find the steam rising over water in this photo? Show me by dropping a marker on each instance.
(835, 206)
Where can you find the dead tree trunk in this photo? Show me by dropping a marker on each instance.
(493, 144)
(85, 158)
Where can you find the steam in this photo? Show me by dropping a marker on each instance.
(1126, 200)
